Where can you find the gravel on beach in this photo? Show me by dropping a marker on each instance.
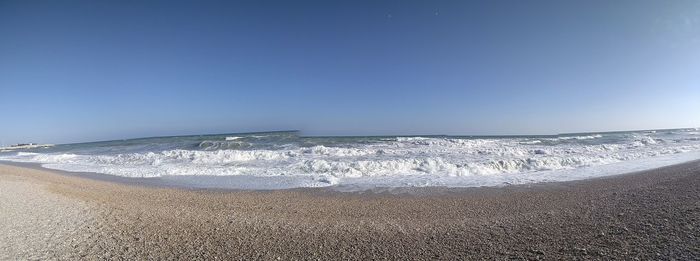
(647, 215)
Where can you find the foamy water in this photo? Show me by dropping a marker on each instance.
(284, 159)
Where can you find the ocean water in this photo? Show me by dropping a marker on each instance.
(274, 160)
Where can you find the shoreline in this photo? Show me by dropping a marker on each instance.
(287, 160)
(160, 182)
(650, 214)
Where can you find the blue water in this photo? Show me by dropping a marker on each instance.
(288, 159)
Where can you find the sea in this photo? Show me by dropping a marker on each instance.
(288, 159)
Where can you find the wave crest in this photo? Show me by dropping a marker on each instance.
(330, 161)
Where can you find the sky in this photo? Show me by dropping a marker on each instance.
(73, 71)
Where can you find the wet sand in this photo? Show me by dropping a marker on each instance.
(648, 215)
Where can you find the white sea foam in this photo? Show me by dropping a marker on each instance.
(586, 137)
(402, 161)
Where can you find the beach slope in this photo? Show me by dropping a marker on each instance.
(648, 215)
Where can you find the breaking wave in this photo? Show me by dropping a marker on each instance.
(339, 160)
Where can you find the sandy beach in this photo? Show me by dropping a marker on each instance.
(349, 130)
(647, 215)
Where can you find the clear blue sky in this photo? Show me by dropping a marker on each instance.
(93, 70)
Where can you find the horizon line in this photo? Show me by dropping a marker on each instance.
(383, 135)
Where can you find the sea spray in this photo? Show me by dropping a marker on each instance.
(381, 161)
